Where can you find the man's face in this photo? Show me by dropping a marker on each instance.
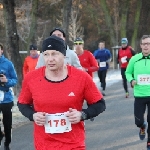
(101, 45)
(58, 34)
(145, 46)
(1, 52)
(124, 45)
(78, 48)
(33, 52)
(54, 60)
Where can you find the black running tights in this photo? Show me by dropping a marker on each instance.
(6, 110)
(124, 80)
(140, 105)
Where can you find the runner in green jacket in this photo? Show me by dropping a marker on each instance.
(138, 74)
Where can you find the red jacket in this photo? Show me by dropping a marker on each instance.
(124, 56)
(88, 61)
(29, 64)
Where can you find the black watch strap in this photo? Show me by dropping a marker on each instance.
(83, 116)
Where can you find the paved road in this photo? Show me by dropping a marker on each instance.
(112, 130)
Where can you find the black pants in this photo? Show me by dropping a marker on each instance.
(102, 78)
(124, 80)
(140, 105)
(6, 110)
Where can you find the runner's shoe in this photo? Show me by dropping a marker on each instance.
(142, 132)
(6, 147)
(127, 95)
(103, 94)
(148, 146)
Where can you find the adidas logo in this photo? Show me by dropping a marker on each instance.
(71, 94)
(49, 46)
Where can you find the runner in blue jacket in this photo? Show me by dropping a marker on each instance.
(103, 57)
(8, 78)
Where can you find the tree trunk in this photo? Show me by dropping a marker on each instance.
(123, 22)
(136, 24)
(66, 18)
(12, 40)
(108, 20)
(33, 25)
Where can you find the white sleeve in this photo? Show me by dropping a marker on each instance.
(75, 61)
(40, 62)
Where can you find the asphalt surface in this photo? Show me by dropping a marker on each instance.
(114, 129)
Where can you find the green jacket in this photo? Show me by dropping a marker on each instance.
(139, 69)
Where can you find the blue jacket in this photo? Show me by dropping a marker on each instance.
(7, 68)
(103, 55)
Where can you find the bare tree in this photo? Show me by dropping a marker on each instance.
(24, 21)
(66, 17)
(75, 29)
(33, 26)
(12, 39)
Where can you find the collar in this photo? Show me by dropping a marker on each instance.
(145, 57)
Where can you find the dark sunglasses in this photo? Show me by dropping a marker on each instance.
(78, 43)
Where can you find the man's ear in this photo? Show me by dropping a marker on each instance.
(140, 45)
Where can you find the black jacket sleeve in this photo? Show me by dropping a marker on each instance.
(133, 52)
(26, 110)
(95, 109)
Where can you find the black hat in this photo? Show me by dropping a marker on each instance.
(78, 40)
(59, 29)
(33, 47)
(54, 43)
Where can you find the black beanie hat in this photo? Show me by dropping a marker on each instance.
(33, 47)
(54, 43)
(59, 29)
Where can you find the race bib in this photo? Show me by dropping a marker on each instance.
(1, 95)
(143, 79)
(57, 123)
(124, 59)
(102, 64)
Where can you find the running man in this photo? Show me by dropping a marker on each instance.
(103, 57)
(138, 74)
(71, 57)
(8, 79)
(57, 92)
(124, 55)
(87, 61)
(30, 61)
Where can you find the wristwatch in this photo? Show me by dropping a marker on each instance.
(83, 116)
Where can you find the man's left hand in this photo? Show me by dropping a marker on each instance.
(74, 116)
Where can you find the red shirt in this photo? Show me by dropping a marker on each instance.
(54, 97)
(88, 61)
(29, 64)
(124, 53)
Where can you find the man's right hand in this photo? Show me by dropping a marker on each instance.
(39, 118)
(133, 83)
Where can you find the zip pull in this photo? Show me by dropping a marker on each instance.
(145, 60)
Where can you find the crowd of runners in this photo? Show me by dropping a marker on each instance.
(57, 81)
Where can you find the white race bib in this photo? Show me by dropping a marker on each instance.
(57, 123)
(143, 79)
(124, 59)
(102, 64)
(1, 95)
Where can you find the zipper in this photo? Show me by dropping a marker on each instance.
(145, 60)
